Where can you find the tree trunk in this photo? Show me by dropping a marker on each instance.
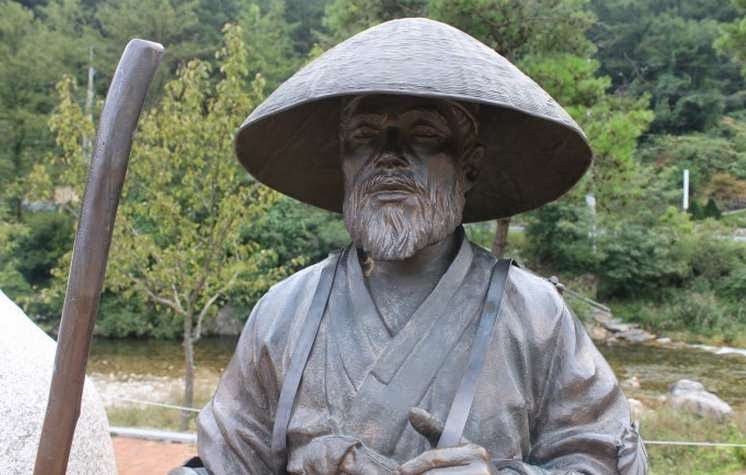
(501, 237)
(188, 372)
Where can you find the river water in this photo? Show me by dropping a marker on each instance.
(152, 369)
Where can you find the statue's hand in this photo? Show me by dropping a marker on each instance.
(338, 454)
(464, 459)
(320, 455)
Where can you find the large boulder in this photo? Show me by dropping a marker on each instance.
(26, 361)
(691, 396)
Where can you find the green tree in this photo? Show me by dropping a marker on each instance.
(547, 40)
(612, 123)
(172, 23)
(344, 18)
(34, 53)
(49, 237)
(716, 160)
(12, 282)
(61, 176)
(732, 41)
(515, 28)
(665, 48)
(308, 15)
(297, 232)
(177, 243)
(711, 209)
(269, 41)
(560, 235)
(177, 238)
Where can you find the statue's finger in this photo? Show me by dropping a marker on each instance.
(442, 458)
(426, 424)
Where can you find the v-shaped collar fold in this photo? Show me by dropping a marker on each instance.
(422, 321)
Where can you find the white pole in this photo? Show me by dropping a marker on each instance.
(590, 200)
(685, 201)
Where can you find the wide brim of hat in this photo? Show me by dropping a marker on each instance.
(534, 151)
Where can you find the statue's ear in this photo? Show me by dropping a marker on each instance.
(471, 165)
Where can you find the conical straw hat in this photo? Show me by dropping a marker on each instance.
(534, 151)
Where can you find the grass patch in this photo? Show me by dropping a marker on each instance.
(151, 417)
(667, 424)
(155, 417)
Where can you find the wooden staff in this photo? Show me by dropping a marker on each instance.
(106, 173)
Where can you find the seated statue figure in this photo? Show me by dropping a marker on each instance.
(413, 350)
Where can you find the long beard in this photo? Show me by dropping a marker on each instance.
(395, 231)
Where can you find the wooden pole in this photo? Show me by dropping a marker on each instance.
(105, 178)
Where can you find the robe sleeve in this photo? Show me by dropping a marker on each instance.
(234, 430)
(582, 420)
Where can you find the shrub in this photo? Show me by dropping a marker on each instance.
(50, 236)
(701, 313)
(561, 235)
(643, 256)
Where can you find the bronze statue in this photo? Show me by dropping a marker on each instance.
(412, 350)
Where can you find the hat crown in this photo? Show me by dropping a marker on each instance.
(416, 53)
(534, 151)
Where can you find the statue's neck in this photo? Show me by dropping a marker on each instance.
(427, 263)
(398, 288)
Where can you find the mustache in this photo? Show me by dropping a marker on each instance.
(401, 180)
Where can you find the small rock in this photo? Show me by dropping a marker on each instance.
(691, 396)
(601, 316)
(631, 383)
(615, 326)
(599, 333)
(686, 385)
(663, 340)
(636, 335)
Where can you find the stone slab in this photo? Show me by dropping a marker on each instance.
(26, 362)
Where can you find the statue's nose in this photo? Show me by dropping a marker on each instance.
(392, 155)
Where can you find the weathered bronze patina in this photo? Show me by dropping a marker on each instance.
(106, 174)
(410, 129)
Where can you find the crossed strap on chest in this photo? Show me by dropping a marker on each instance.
(462, 402)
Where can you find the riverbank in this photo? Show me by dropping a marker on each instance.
(694, 317)
(151, 370)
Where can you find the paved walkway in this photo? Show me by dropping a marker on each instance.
(147, 457)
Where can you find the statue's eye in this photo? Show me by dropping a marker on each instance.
(364, 132)
(426, 132)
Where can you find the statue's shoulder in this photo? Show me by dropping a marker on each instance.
(303, 280)
(535, 289)
(538, 307)
(283, 308)
(532, 302)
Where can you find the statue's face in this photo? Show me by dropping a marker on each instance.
(403, 160)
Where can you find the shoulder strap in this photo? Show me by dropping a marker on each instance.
(298, 364)
(461, 405)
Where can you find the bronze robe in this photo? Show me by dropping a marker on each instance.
(546, 402)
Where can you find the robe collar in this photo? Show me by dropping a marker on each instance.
(355, 322)
(421, 322)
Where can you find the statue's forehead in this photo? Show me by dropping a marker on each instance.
(392, 104)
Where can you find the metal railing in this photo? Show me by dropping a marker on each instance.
(191, 438)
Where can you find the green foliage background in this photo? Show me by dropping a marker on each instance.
(656, 84)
